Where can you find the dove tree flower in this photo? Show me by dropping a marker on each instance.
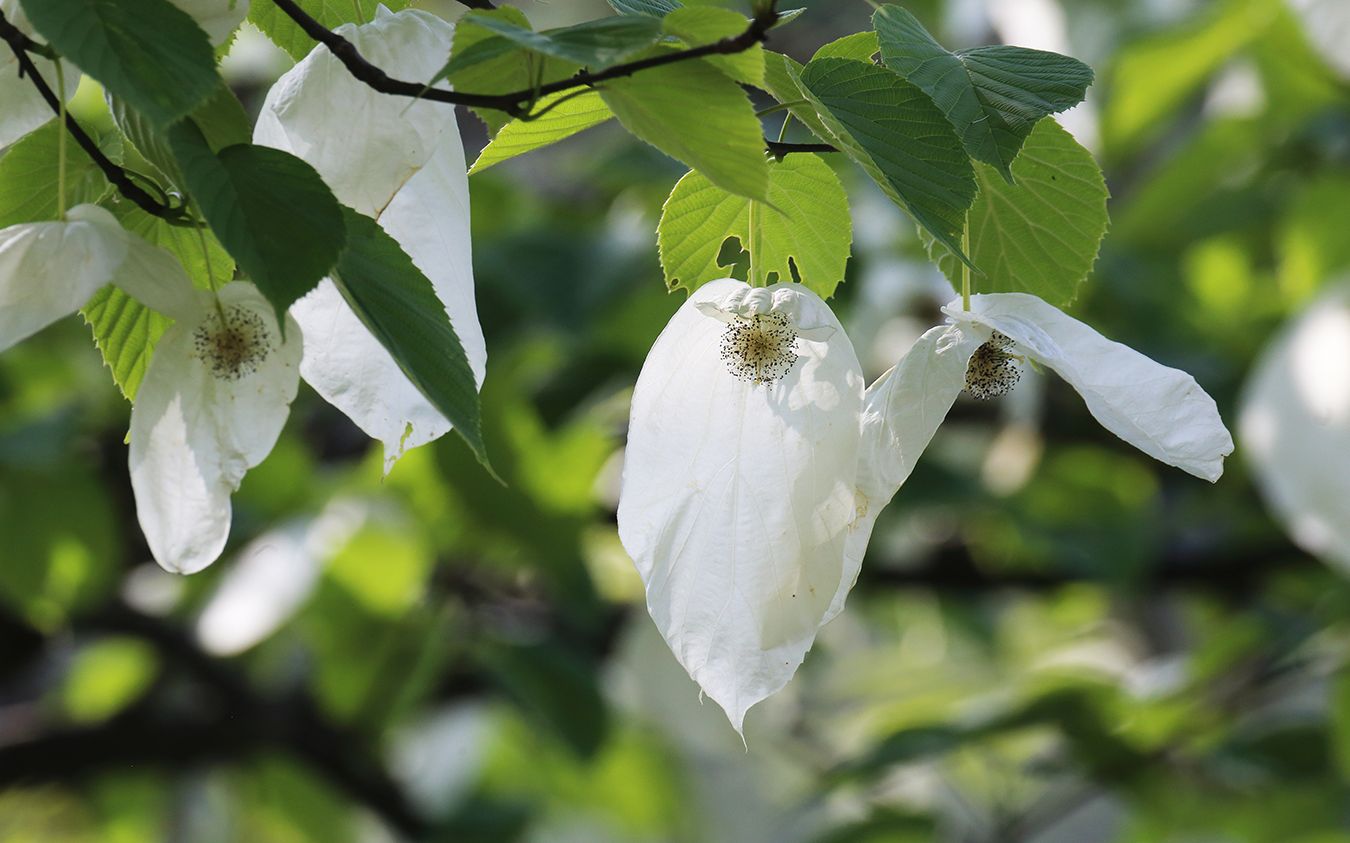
(217, 390)
(1295, 426)
(757, 463)
(402, 164)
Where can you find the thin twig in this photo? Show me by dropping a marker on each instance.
(515, 103)
(779, 149)
(21, 45)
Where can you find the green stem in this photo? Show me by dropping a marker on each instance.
(753, 246)
(965, 267)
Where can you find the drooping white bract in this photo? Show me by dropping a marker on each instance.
(1159, 410)
(400, 161)
(219, 18)
(22, 108)
(211, 406)
(48, 270)
(738, 483)
(1295, 426)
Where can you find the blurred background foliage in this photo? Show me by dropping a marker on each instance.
(1054, 637)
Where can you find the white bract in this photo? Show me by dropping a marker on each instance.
(48, 270)
(1295, 427)
(757, 464)
(211, 406)
(219, 18)
(738, 482)
(398, 161)
(22, 108)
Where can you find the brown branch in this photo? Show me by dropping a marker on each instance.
(515, 103)
(21, 45)
(779, 149)
(477, 4)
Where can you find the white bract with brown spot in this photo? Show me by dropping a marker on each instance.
(738, 483)
(213, 402)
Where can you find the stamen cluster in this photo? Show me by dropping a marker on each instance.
(760, 349)
(993, 370)
(232, 342)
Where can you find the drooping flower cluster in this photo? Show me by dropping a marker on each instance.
(757, 463)
(218, 389)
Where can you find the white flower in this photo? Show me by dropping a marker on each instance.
(1295, 426)
(211, 406)
(22, 108)
(757, 465)
(401, 162)
(738, 483)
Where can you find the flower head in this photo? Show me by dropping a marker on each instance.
(738, 487)
(213, 402)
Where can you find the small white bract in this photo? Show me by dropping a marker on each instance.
(22, 108)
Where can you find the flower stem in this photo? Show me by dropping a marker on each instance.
(965, 267)
(61, 142)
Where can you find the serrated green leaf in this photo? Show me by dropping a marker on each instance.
(597, 43)
(696, 115)
(399, 306)
(860, 46)
(288, 35)
(1040, 234)
(148, 52)
(650, 8)
(697, 26)
(209, 269)
(28, 178)
(993, 96)
(780, 79)
(271, 210)
(564, 114)
(125, 332)
(221, 119)
(484, 62)
(899, 137)
(804, 226)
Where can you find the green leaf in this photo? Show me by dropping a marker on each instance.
(1041, 234)
(28, 178)
(895, 133)
(399, 306)
(271, 210)
(860, 46)
(696, 115)
(221, 119)
(650, 8)
(209, 268)
(485, 62)
(148, 52)
(698, 26)
(598, 43)
(288, 35)
(564, 114)
(125, 332)
(780, 79)
(993, 96)
(805, 227)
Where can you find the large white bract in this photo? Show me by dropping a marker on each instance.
(212, 404)
(22, 108)
(402, 163)
(1295, 426)
(757, 464)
